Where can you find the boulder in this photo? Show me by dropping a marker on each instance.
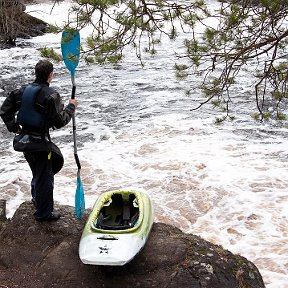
(45, 254)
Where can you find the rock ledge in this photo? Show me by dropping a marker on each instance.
(46, 255)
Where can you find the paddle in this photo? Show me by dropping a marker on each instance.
(70, 48)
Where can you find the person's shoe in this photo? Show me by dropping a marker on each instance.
(54, 216)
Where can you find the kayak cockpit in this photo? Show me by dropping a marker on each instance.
(118, 213)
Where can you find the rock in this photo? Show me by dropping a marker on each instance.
(45, 254)
(2, 210)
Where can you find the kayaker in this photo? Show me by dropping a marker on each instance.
(39, 108)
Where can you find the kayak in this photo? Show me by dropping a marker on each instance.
(117, 228)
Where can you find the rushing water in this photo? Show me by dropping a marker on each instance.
(227, 183)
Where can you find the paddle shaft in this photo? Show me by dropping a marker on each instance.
(74, 126)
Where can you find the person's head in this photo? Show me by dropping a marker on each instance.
(44, 71)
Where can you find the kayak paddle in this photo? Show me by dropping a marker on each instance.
(70, 48)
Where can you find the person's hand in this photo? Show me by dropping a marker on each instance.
(74, 102)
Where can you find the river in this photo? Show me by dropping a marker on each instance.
(227, 183)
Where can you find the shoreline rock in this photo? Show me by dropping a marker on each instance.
(46, 255)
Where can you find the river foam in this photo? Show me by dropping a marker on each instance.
(227, 183)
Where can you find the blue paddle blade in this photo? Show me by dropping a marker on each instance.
(79, 199)
(70, 48)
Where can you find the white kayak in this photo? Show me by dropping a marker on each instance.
(117, 228)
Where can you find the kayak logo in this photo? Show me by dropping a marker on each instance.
(104, 249)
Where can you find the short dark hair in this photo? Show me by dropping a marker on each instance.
(43, 69)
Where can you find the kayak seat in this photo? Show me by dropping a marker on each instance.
(119, 215)
(126, 213)
(110, 217)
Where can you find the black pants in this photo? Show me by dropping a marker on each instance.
(42, 183)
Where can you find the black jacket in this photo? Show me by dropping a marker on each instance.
(47, 102)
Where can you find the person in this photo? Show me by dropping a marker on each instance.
(29, 112)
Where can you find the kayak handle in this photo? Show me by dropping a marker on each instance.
(107, 237)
